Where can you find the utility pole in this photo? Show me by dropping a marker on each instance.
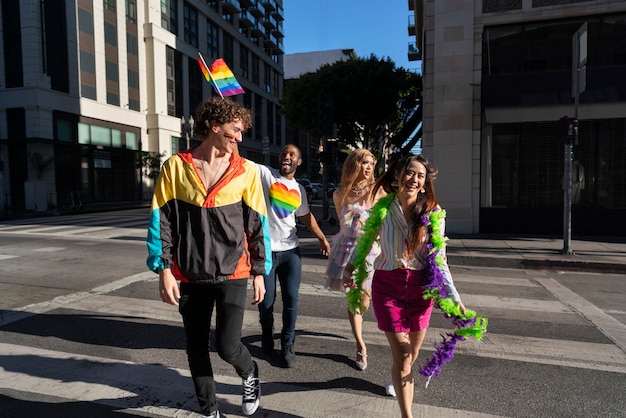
(325, 129)
(579, 69)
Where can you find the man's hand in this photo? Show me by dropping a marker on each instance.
(258, 285)
(324, 247)
(168, 287)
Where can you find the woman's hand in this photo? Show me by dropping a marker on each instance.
(348, 280)
(461, 306)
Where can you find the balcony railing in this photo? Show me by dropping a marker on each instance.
(256, 9)
(246, 19)
(230, 6)
(411, 24)
(269, 23)
(270, 5)
(414, 52)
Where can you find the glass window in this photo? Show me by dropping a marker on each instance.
(111, 70)
(190, 25)
(229, 50)
(110, 34)
(84, 134)
(133, 79)
(131, 44)
(88, 92)
(244, 61)
(64, 130)
(175, 144)
(109, 4)
(113, 98)
(116, 138)
(133, 104)
(85, 22)
(131, 140)
(87, 62)
(100, 136)
(131, 10)
(213, 40)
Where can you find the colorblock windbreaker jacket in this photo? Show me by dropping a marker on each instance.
(209, 237)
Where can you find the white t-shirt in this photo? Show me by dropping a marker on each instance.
(285, 199)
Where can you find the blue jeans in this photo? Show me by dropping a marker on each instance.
(196, 307)
(287, 267)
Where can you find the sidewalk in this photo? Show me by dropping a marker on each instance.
(594, 254)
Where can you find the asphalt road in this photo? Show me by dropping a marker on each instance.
(83, 334)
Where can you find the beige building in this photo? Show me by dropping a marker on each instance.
(88, 85)
(497, 80)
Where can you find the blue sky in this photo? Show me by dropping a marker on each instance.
(367, 26)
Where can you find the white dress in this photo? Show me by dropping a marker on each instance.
(351, 221)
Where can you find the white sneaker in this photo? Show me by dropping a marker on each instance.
(251, 392)
(389, 389)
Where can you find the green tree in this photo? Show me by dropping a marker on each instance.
(149, 163)
(369, 101)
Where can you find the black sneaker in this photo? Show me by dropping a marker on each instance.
(267, 343)
(288, 355)
(251, 392)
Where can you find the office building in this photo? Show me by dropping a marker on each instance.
(499, 77)
(88, 86)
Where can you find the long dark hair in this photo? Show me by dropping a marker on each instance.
(426, 201)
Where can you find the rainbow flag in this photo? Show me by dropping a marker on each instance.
(220, 76)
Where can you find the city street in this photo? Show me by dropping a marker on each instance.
(84, 334)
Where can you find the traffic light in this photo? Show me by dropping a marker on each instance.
(568, 127)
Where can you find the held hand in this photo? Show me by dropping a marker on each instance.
(324, 247)
(258, 285)
(462, 307)
(348, 280)
(168, 288)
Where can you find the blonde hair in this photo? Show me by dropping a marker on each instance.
(351, 170)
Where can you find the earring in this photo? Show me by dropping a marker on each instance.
(422, 191)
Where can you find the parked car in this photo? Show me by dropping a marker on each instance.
(331, 189)
(316, 190)
(307, 186)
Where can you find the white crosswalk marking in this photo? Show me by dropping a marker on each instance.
(139, 388)
(85, 226)
(38, 371)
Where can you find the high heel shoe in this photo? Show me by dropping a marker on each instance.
(361, 365)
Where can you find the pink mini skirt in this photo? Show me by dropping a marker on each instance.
(397, 300)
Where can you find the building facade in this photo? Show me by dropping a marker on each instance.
(498, 80)
(87, 86)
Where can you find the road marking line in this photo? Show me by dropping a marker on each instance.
(8, 257)
(609, 326)
(164, 391)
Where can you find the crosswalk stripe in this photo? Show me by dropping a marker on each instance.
(593, 356)
(136, 387)
(140, 388)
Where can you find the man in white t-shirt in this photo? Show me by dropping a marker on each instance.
(285, 199)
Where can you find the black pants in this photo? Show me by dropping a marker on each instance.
(196, 307)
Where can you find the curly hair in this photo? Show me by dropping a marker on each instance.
(220, 110)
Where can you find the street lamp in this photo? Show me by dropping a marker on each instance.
(187, 130)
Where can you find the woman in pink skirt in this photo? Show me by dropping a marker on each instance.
(405, 235)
